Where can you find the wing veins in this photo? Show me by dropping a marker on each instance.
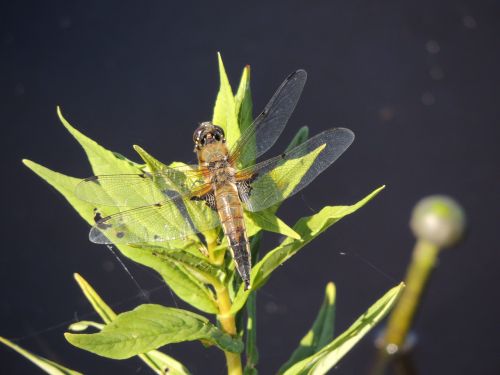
(147, 217)
(133, 190)
(271, 121)
(272, 184)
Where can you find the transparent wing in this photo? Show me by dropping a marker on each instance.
(268, 126)
(175, 218)
(281, 177)
(135, 190)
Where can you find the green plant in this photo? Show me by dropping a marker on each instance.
(209, 282)
(438, 222)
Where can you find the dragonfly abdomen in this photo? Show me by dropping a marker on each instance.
(231, 216)
(240, 249)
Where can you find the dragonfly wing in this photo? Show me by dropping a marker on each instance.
(135, 190)
(268, 126)
(276, 179)
(176, 218)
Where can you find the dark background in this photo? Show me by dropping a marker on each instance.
(417, 82)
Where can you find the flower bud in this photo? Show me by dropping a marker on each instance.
(439, 220)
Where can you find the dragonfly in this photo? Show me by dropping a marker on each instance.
(176, 202)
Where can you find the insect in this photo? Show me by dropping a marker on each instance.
(175, 203)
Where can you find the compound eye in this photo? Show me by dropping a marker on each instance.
(217, 136)
(196, 136)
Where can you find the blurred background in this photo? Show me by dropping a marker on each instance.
(416, 81)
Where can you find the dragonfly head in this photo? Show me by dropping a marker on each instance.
(207, 133)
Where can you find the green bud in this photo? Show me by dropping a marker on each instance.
(438, 219)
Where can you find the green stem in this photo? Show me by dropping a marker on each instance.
(228, 324)
(424, 259)
(225, 318)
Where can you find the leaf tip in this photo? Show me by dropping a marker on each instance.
(82, 283)
(142, 153)
(246, 73)
(65, 122)
(375, 192)
(69, 337)
(31, 165)
(222, 71)
(220, 62)
(60, 115)
(330, 292)
(27, 162)
(77, 327)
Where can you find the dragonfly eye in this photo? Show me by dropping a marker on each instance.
(198, 134)
(207, 133)
(219, 132)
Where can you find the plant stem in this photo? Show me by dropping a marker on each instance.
(424, 259)
(211, 238)
(228, 324)
(226, 319)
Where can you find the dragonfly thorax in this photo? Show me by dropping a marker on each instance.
(222, 173)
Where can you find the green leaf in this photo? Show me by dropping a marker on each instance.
(98, 304)
(282, 181)
(152, 163)
(198, 213)
(243, 101)
(156, 360)
(159, 362)
(284, 186)
(308, 228)
(320, 334)
(103, 161)
(47, 366)
(197, 266)
(268, 221)
(282, 228)
(225, 114)
(300, 137)
(182, 283)
(149, 327)
(244, 112)
(322, 361)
